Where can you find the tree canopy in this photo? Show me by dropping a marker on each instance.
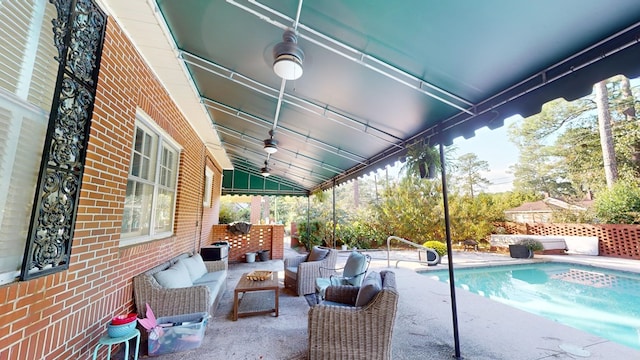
(561, 152)
(565, 152)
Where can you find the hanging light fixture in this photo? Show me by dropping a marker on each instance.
(288, 57)
(271, 144)
(265, 171)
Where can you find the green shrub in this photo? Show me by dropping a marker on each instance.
(229, 213)
(315, 235)
(359, 234)
(531, 244)
(439, 247)
(619, 205)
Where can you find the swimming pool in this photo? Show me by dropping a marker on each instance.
(599, 301)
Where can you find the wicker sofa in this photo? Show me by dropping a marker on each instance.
(340, 330)
(169, 292)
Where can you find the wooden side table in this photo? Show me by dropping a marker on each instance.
(108, 340)
(261, 289)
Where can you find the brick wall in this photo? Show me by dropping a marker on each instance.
(613, 240)
(260, 237)
(256, 210)
(295, 242)
(61, 316)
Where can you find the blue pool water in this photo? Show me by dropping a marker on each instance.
(595, 300)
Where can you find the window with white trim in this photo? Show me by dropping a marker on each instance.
(208, 187)
(27, 82)
(151, 187)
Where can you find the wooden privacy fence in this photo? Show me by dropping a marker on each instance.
(614, 240)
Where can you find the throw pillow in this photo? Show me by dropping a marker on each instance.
(317, 254)
(371, 285)
(195, 266)
(356, 263)
(176, 276)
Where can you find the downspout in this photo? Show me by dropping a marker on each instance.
(198, 241)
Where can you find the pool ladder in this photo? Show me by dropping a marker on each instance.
(431, 256)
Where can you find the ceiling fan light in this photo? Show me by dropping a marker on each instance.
(288, 57)
(265, 171)
(288, 67)
(270, 146)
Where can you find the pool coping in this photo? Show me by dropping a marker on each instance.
(608, 265)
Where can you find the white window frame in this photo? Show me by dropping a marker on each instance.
(163, 140)
(208, 187)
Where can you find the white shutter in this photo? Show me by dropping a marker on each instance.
(22, 131)
(27, 81)
(27, 65)
(45, 67)
(15, 23)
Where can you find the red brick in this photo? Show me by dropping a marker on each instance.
(69, 302)
(13, 316)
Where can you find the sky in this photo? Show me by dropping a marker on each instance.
(494, 147)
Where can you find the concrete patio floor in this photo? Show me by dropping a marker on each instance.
(488, 330)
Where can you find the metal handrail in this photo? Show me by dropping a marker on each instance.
(420, 247)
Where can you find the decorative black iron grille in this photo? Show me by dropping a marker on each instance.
(78, 35)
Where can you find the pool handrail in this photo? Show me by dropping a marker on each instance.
(427, 250)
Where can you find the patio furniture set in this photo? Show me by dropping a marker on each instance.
(352, 319)
(355, 311)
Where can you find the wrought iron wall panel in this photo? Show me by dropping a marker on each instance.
(78, 35)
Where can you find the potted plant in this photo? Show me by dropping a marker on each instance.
(525, 248)
(422, 159)
(344, 246)
(438, 247)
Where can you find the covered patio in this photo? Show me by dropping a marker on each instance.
(148, 111)
(372, 80)
(489, 330)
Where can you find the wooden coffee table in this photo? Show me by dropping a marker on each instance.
(256, 294)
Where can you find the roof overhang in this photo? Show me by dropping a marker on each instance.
(377, 77)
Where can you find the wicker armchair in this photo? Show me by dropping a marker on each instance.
(300, 274)
(349, 332)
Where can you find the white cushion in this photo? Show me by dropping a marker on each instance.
(220, 275)
(195, 266)
(371, 285)
(177, 276)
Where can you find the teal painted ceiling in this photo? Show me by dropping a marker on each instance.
(379, 75)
